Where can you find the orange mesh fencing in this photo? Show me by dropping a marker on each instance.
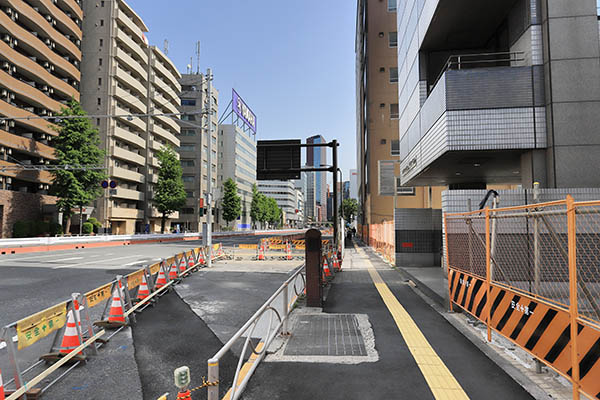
(504, 263)
(382, 237)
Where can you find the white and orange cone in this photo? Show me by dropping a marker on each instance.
(182, 264)
(173, 274)
(70, 339)
(161, 280)
(261, 250)
(326, 267)
(1, 387)
(116, 308)
(191, 261)
(143, 290)
(201, 256)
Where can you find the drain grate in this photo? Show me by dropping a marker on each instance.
(326, 335)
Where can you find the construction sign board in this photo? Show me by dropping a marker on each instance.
(40, 325)
(135, 279)
(154, 268)
(98, 295)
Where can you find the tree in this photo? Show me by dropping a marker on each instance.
(77, 144)
(255, 206)
(273, 212)
(169, 193)
(232, 203)
(349, 209)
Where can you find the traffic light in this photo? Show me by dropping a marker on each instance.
(182, 377)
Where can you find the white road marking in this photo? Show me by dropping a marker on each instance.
(72, 258)
(37, 257)
(96, 262)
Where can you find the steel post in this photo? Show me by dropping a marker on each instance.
(314, 287)
(209, 172)
(286, 310)
(213, 376)
(573, 306)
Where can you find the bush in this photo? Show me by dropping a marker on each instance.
(87, 228)
(21, 229)
(55, 229)
(96, 224)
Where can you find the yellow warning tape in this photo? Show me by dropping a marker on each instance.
(247, 246)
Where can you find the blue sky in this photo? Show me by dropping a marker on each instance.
(291, 61)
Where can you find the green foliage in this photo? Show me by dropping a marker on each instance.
(349, 209)
(169, 195)
(232, 203)
(273, 211)
(23, 229)
(87, 228)
(55, 229)
(264, 209)
(95, 223)
(77, 144)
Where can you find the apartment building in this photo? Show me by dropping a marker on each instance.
(135, 85)
(193, 149)
(317, 157)
(40, 55)
(237, 160)
(386, 208)
(289, 199)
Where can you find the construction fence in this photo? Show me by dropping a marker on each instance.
(382, 237)
(64, 334)
(532, 274)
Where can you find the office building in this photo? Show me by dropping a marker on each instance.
(302, 187)
(289, 199)
(346, 190)
(499, 92)
(353, 190)
(237, 160)
(40, 55)
(193, 149)
(386, 209)
(125, 77)
(316, 157)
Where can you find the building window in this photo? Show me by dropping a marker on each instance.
(381, 69)
(395, 148)
(101, 42)
(383, 141)
(187, 178)
(394, 112)
(381, 105)
(98, 121)
(99, 101)
(391, 5)
(187, 147)
(99, 81)
(188, 102)
(188, 117)
(404, 190)
(393, 74)
(188, 132)
(102, 3)
(187, 210)
(189, 193)
(99, 61)
(393, 39)
(101, 22)
(187, 163)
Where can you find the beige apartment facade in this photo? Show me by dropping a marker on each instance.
(378, 150)
(40, 55)
(132, 87)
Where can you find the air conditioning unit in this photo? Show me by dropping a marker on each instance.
(8, 180)
(48, 42)
(46, 64)
(78, 42)
(4, 93)
(11, 124)
(51, 90)
(8, 10)
(6, 37)
(48, 17)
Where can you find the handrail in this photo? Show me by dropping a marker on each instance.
(213, 364)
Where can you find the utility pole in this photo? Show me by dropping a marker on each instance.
(209, 196)
(335, 196)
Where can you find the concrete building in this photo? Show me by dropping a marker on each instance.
(310, 206)
(380, 196)
(353, 184)
(124, 76)
(499, 92)
(288, 198)
(40, 55)
(346, 190)
(317, 157)
(193, 149)
(302, 187)
(237, 160)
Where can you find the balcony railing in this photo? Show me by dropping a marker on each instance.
(481, 60)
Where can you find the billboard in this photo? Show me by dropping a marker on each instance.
(243, 111)
(278, 159)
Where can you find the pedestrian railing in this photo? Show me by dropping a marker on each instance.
(296, 282)
(532, 274)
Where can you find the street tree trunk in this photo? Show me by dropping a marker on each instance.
(163, 222)
(67, 225)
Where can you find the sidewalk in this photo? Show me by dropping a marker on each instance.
(417, 353)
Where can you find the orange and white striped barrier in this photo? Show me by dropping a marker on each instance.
(288, 251)
(116, 315)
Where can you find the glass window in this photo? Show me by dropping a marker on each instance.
(187, 147)
(392, 5)
(393, 39)
(188, 102)
(187, 163)
(394, 112)
(393, 74)
(395, 148)
(189, 193)
(188, 132)
(188, 178)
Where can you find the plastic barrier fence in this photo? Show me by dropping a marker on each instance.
(532, 274)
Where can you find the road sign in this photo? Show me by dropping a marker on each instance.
(278, 159)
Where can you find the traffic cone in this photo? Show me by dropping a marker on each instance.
(182, 266)
(191, 261)
(116, 308)
(71, 337)
(1, 387)
(288, 251)
(173, 271)
(161, 280)
(336, 264)
(143, 290)
(261, 250)
(201, 256)
(77, 313)
(326, 267)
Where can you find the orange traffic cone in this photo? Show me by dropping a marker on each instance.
(261, 250)
(1, 387)
(182, 266)
(173, 271)
(288, 251)
(143, 290)
(116, 308)
(326, 267)
(71, 337)
(191, 261)
(201, 256)
(161, 280)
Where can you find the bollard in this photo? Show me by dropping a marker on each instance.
(213, 376)
(312, 251)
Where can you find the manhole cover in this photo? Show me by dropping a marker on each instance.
(326, 335)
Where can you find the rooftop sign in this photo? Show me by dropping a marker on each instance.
(243, 111)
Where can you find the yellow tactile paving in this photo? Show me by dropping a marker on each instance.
(442, 383)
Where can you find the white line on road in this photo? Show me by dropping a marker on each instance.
(96, 262)
(37, 257)
(72, 258)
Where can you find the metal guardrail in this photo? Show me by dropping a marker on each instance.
(249, 327)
